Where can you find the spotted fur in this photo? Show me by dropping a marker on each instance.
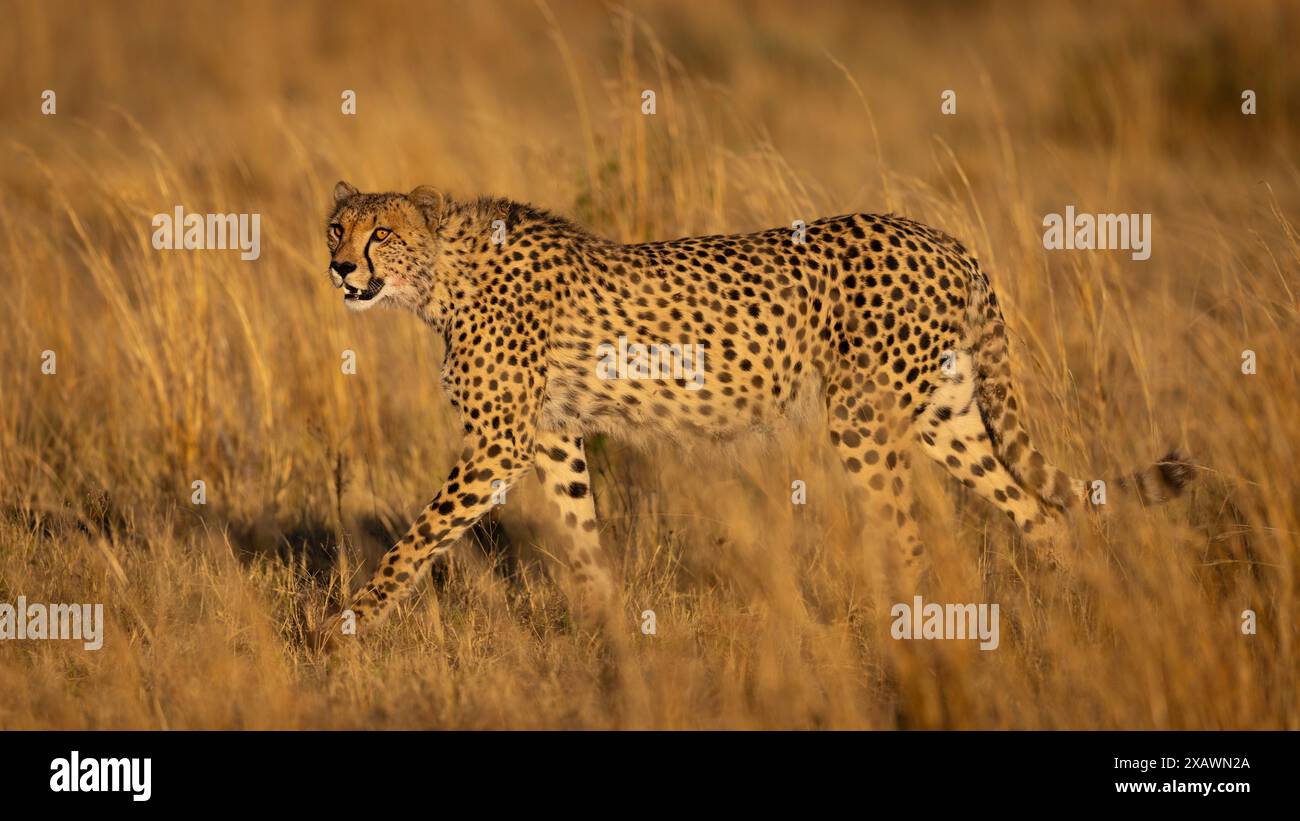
(892, 322)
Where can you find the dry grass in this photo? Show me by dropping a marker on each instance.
(179, 366)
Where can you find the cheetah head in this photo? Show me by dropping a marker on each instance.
(381, 245)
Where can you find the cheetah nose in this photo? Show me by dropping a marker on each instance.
(339, 270)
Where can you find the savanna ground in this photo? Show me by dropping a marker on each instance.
(181, 366)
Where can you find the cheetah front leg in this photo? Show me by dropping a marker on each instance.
(561, 468)
(485, 467)
(562, 471)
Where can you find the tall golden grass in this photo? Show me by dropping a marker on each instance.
(181, 366)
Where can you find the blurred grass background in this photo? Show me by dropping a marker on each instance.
(175, 367)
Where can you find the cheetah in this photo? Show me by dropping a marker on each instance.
(892, 321)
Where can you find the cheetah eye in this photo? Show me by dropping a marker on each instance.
(381, 234)
(336, 232)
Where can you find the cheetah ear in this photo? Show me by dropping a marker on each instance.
(431, 202)
(342, 191)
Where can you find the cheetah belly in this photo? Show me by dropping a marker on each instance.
(722, 397)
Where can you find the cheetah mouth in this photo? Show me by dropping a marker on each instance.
(353, 297)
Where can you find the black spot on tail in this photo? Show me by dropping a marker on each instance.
(1176, 471)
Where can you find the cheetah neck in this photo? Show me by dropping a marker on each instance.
(481, 242)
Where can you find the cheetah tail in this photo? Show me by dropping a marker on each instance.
(1001, 409)
(1162, 481)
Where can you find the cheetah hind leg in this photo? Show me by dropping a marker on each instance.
(873, 442)
(952, 432)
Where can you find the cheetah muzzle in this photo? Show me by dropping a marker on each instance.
(353, 295)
